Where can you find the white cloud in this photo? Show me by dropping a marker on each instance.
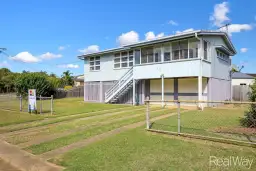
(68, 66)
(4, 64)
(90, 49)
(219, 15)
(171, 22)
(243, 50)
(184, 31)
(128, 38)
(49, 55)
(25, 57)
(151, 35)
(236, 28)
(61, 48)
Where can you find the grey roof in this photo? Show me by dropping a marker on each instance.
(240, 75)
(165, 39)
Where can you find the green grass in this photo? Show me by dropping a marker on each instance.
(60, 142)
(66, 118)
(62, 107)
(139, 150)
(71, 125)
(203, 122)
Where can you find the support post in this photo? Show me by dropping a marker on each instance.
(41, 105)
(101, 92)
(20, 103)
(147, 113)
(51, 104)
(178, 111)
(133, 92)
(162, 76)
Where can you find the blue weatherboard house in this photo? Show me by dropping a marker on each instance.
(189, 66)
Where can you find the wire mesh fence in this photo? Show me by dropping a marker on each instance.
(44, 105)
(222, 121)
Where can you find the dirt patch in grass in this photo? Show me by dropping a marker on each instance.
(237, 130)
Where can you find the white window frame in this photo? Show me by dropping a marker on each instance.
(94, 65)
(121, 57)
(223, 56)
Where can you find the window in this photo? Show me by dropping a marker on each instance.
(167, 53)
(184, 49)
(205, 50)
(147, 55)
(137, 56)
(193, 48)
(175, 51)
(123, 59)
(157, 54)
(94, 63)
(223, 56)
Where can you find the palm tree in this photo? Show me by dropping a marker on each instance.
(67, 78)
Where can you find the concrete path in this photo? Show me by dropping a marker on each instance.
(85, 142)
(12, 155)
(4, 166)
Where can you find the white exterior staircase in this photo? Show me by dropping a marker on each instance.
(122, 86)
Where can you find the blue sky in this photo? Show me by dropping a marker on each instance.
(48, 35)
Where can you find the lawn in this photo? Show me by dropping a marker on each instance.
(210, 122)
(94, 130)
(140, 150)
(62, 107)
(133, 148)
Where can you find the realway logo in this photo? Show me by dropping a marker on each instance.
(230, 161)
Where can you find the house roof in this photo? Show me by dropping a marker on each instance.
(240, 75)
(79, 78)
(251, 74)
(166, 39)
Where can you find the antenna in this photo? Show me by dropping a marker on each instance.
(226, 25)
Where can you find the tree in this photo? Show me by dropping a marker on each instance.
(37, 81)
(7, 79)
(67, 78)
(250, 116)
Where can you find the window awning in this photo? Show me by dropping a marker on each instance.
(224, 49)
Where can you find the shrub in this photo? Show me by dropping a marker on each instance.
(37, 81)
(250, 116)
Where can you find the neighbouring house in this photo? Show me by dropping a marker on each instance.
(241, 85)
(190, 66)
(79, 80)
(239, 78)
(252, 74)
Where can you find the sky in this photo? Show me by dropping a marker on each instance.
(48, 35)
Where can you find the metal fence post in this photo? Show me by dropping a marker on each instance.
(41, 105)
(178, 110)
(20, 103)
(147, 113)
(51, 104)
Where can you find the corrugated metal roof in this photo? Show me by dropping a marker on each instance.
(162, 39)
(240, 75)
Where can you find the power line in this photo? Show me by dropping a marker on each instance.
(226, 25)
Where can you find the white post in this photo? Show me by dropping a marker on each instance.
(162, 90)
(147, 113)
(40, 99)
(51, 104)
(133, 93)
(101, 92)
(200, 73)
(20, 103)
(178, 110)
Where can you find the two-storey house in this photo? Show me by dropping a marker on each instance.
(190, 66)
